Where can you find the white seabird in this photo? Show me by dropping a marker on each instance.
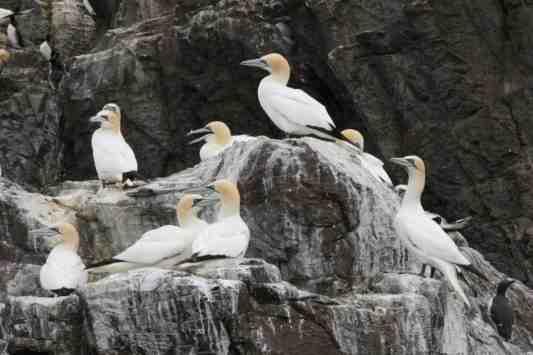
(4, 59)
(218, 138)
(292, 110)
(368, 161)
(114, 159)
(421, 235)
(229, 235)
(162, 247)
(45, 48)
(13, 34)
(64, 270)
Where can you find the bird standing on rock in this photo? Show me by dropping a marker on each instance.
(114, 159)
(64, 270)
(4, 59)
(501, 311)
(421, 235)
(292, 110)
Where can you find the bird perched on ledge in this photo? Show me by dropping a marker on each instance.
(64, 270)
(229, 235)
(292, 110)
(369, 162)
(218, 138)
(114, 159)
(421, 235)
(161, 247)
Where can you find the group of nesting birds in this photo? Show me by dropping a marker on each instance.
(294, 112)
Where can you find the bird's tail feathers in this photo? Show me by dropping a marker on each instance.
(333, 135)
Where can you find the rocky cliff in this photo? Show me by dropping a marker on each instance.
(448, 81)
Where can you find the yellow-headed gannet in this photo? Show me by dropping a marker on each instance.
(421, 235)
(64, 270)
(501, 311)
(292, 110)
(369, 162)
(162, 247)
(218, 137)
(114, 159)
(4, 59)
(13, 34)
(229, 235)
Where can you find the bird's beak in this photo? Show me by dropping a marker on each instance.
(258, 63)
(400, 161)
(198, 131)
(97, 118)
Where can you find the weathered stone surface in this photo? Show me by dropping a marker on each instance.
(339, 285)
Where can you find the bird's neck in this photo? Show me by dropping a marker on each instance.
(415, 188)
(187, 218)
(230, 206)
(280, 76)
(72, 244)
(223, 139)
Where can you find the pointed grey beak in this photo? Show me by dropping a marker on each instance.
(400, 161)
(197, 131)
(96, 119)
(258, 63)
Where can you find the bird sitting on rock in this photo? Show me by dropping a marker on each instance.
(217, 138)
(162, 247)
(64, 270)
(229, 236)
(421, 235)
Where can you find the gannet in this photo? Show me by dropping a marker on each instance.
(218, 137)
(64, 270)
(13, 34)
(421, 235)
(369, 162)
(229, 235)
(4, 59)
(501, 311)
(45, 48)
(162, 247)
(113, 158)
(292, 110)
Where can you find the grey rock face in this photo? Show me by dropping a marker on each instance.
(341, 284)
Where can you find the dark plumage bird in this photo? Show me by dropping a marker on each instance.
(56, 70)
(501, 310)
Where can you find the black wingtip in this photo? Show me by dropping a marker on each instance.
(335, 134)
(103, 263)
(63, 291)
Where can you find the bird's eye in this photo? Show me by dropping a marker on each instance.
(105, 117)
